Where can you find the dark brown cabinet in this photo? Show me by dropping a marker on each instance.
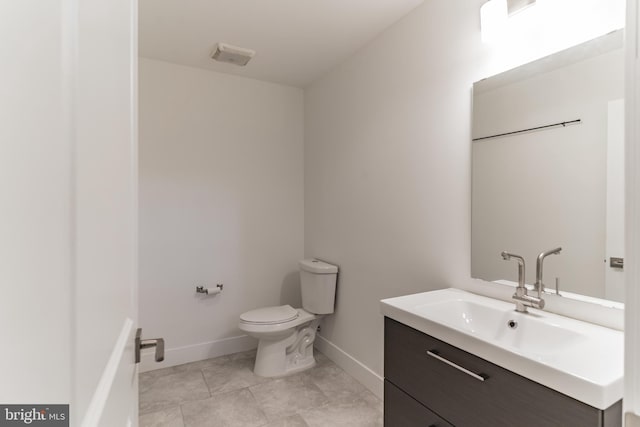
(424, 388)
(401, 410)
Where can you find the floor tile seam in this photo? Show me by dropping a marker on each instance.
(140, 413)
(157, 375)
(255, 398)
(206, 383)
(305, 379)
(309, 411)
(224, 393)
(303, 419)
(179, 373)
(367, 391)
(357, 394)
(186, 402)
(269, 380)
(260, 408)
(327, 397)
(301, 413)
(155, 411)
(357, 401)
(182, 416)
(284, 418)
(311, 379)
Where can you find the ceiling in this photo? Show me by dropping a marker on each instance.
(296, 41)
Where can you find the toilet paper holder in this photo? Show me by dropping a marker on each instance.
(207, 291)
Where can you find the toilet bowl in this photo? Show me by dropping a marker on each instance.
(286, 334)
(284, 347)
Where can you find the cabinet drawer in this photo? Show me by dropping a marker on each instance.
(401, 410)
(493, 397)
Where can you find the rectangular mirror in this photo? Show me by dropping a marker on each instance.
(548, 169)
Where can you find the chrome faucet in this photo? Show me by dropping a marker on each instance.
(539, 285)
(522, 299)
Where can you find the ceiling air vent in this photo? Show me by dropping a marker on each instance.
(232, 54)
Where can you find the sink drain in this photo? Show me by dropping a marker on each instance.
(512, 324)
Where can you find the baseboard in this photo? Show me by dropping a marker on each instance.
(631, 420)
(368, 378)
(194, 353)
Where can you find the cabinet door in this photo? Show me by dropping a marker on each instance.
(493, 397)
(401, 410)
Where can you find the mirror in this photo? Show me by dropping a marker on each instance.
(547, 170)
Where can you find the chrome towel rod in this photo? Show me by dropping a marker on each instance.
(563, 124)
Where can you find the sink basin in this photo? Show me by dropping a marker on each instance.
(519, 332)
(579, 359)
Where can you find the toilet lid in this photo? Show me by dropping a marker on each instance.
(270, 315)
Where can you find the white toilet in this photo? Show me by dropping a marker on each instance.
(286, 334)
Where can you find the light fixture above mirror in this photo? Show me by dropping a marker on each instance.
(515, 6)
(532, 29)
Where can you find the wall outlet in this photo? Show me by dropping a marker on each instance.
(318, 329)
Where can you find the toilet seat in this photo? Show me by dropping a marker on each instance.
(300, 318)
(270, 315)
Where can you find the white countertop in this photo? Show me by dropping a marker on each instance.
(579, 359)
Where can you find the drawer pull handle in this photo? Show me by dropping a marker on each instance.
(435, 355)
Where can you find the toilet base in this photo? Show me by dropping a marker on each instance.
(289, 355)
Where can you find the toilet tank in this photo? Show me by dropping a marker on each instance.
(318, 286)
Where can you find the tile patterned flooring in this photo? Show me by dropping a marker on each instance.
(224, 392)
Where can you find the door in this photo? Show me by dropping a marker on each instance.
(614, 274)
(68, 183)
(105, 212)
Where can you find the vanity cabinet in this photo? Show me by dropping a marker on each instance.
(431, 383)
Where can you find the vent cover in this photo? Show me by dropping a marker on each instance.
(232, 54)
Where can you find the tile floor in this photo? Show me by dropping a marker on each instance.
(224, 392)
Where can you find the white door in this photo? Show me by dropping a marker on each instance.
(68, 207)
(614, 277)
(105, 216)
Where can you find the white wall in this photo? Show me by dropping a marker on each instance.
(221, 201)
(35, 176)
(387, 152)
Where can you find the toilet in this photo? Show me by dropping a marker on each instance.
(286, 334)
